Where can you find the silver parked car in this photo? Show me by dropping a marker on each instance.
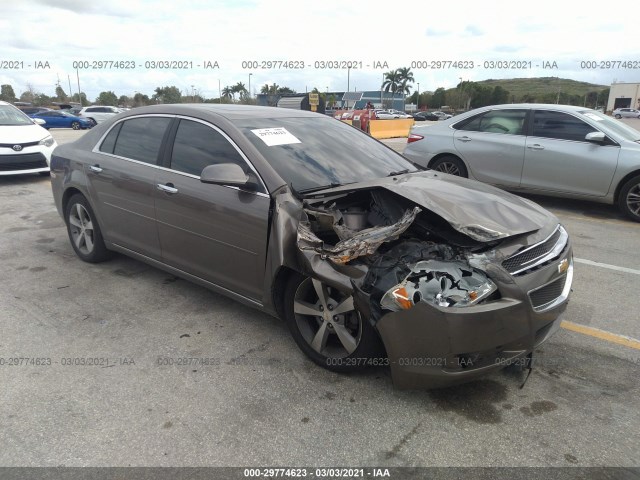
(626, 113)
(369, 259)
(553, 150)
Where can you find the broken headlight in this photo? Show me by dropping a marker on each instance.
(445, 284)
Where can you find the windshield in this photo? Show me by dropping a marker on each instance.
(316, 152)
(615, 126)
(10, 115)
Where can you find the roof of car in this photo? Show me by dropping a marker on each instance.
(230, 112)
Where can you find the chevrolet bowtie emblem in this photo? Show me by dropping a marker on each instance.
(563, 266)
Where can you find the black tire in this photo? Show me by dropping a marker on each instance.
(364, 341)
(44, 174)
(83, 230)
(629, 199)
(451, 165)
(75, 125)
(618, 116)
(92, 121)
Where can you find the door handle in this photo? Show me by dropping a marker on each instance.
(535, 146)
(95, 168)
(168, 188)
(464, 139)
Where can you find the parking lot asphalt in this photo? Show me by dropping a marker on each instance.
(259, 401)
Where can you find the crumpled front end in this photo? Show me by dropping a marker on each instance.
(448, 307)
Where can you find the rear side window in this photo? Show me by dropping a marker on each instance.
(197, 145)
(509, 121)
(110, 140)
(560, 125)
(140, 138)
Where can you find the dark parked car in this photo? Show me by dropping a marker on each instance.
(32, 110)
(62, 119)
(369, 259)
(422, 116)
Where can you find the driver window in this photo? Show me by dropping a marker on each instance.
(197, 145)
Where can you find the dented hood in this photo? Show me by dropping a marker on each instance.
(475, 209)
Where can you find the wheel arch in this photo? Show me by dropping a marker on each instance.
(278, 288)
(622, 182)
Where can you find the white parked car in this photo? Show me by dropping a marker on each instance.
(25, 147)
(99, 113)
(385, 115)
(399, 113)
(626, 112)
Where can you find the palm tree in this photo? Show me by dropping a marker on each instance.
(405, 76)
(265, 88)
(391, 81)
(227, 92)
(241, 90)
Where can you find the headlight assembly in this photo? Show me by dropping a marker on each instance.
(46, 141)
(445, 284)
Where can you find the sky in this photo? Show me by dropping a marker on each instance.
(43, 41)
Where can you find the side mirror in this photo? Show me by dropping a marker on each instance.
(39, 121)
(224, 174)
(596, 137)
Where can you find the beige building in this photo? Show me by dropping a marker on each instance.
(624, 95)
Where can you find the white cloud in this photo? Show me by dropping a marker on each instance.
(231, 32)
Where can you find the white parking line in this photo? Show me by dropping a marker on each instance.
(606, 265)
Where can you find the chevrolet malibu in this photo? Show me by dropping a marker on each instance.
(369, 259)
(556, 150)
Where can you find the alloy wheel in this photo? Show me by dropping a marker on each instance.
(448, 167)
(81, 228)
(327, 319)
(633, 199)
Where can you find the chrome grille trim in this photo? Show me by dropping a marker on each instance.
(568, 280)
(546, 255)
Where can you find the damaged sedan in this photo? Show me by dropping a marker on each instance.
(368, 258)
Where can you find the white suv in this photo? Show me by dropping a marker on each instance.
(99, 113)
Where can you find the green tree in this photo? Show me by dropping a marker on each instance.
(439, 98)
(392, 81)
(285, 90)
(499, 95)
(139, 100)
(405, 75)
(60, 95)
(42, 100)
(124, 101)
(82, 99)
(107, 98)
(7, 94)
(167, 95)
(241, 90)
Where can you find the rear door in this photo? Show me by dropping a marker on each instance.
(122, 182)
(558, 158)
(492, 145)
(215, 232)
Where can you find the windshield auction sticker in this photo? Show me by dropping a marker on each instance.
(275, 136)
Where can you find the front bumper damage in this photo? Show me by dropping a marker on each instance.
(367, 241)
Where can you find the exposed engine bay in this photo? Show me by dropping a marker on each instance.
(394, 252)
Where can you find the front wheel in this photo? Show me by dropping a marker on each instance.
(326, 326)
(451, 165)
(629, 200)
(75, 125)
(84, 231)
(618, 116)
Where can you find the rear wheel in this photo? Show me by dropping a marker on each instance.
(326, 326)
(618, 115)
(84, 231)
(451, 165)
(629, 200)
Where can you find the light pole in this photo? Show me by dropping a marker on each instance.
(250, 85)
(219, 92)
(418, 98)
(192, 97)
(348, 79)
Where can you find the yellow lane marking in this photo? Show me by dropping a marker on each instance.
(601, 334)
